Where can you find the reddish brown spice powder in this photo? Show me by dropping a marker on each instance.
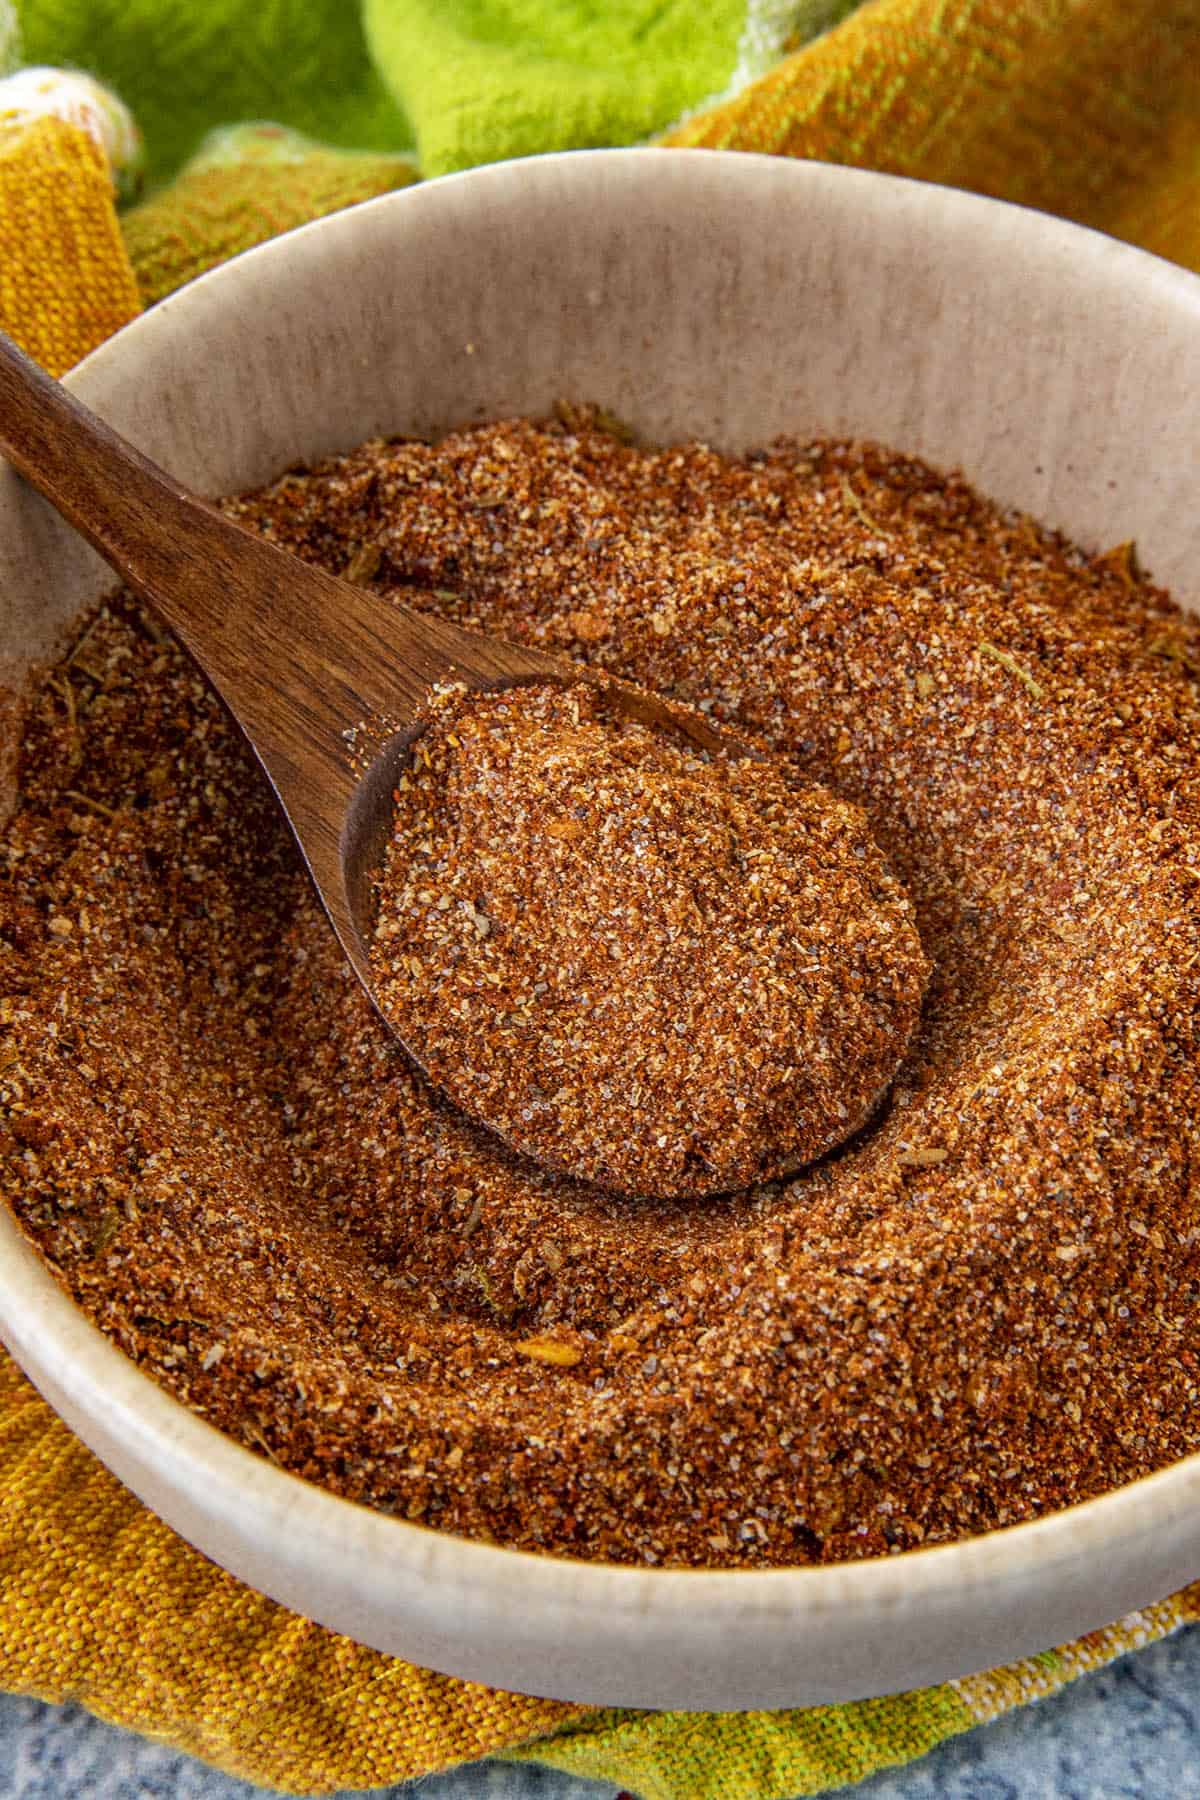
(982, 1308)
(654, 968)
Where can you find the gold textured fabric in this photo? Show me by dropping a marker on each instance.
(65, 279)
(1087, 108)
(1090, 108)
(250, 183)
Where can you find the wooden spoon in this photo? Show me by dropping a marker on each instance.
(301, 658)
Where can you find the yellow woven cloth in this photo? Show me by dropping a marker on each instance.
(1086, 107)
(250, 183)
(56, 214)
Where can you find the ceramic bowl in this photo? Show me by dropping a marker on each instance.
(732, 298)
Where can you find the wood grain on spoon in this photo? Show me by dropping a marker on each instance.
(301, 658)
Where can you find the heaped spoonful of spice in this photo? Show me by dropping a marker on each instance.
(637, 949)
(674, 970)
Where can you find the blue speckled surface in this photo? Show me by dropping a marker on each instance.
(1130, 1732)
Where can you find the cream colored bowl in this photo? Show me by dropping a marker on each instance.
(730, 297)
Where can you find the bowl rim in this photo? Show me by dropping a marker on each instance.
(107, 1382)
(85, 1375)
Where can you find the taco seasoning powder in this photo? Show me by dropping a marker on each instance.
(981, 1308)
(664, 969)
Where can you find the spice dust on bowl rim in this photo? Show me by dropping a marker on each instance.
(734, 299)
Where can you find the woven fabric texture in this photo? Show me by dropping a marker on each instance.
(247, 184)
(56, 212)
(1080, 107)
(1090, 108)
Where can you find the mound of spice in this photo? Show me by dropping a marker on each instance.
(657, 969)
(981, 1308)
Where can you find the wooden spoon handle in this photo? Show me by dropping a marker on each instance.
(297, 654)
(143, 523)
(223, 590)
(299, 657)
